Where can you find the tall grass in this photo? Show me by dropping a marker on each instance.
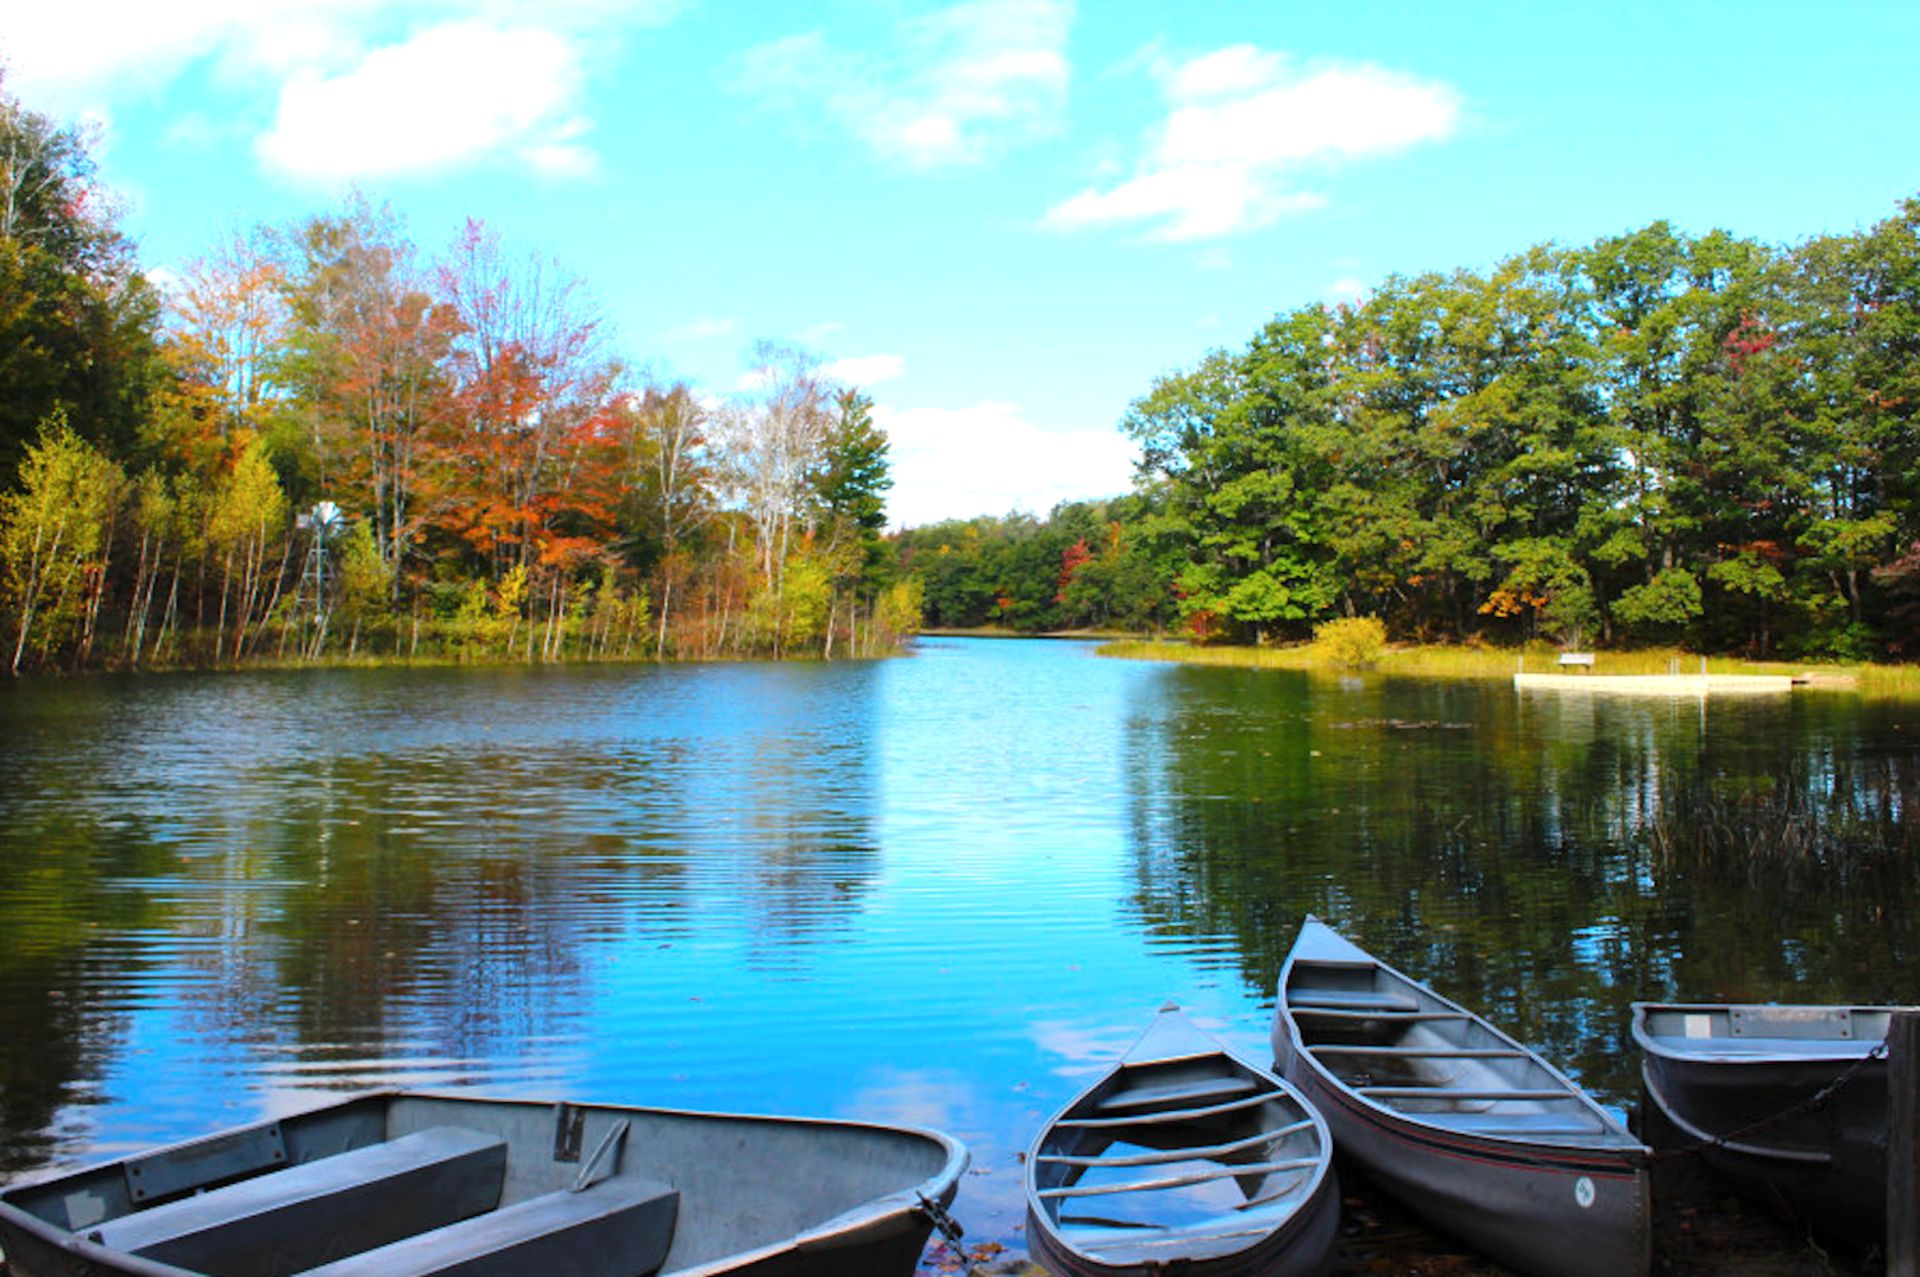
(1448, 661)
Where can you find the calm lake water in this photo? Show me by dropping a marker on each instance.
(943, 890)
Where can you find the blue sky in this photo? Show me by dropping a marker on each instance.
(1003, 217)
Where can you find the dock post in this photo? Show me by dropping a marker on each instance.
(1903, 1144)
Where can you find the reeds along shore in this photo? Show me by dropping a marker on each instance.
(1452, 661)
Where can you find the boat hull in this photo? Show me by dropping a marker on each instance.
(771, 1197)
(1520, 1205)
(1825, 1163)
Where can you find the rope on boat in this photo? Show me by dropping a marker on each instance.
(1817, 1100)
(950, 1231)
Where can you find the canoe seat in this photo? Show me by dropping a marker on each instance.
(1352, 1000)
(1521, 1125)
(1443, 1092)
(1368, 1050)
(562, 1234)
(1212, 1149)
(1233, 1170)
(1163, 1117)
(1204, 1090)
(280, 1222)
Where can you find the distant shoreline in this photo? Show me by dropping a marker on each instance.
(1440, 660)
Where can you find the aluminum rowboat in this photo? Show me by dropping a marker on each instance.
(1470, 1129)
(397, 1184)
(1744, 1075)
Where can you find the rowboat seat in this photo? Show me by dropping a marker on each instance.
(1351, 1000)
(278, 1223)
(561, 1234)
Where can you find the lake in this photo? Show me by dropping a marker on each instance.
(943, 890)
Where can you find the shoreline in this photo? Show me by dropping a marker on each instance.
(423, 662)
(1452, 661)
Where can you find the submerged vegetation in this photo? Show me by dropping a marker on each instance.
(320, 442)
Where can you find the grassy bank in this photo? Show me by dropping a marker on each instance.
(1448, 661)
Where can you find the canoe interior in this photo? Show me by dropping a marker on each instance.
(1401, 1047)
(719, 1185)
(1191, 1158)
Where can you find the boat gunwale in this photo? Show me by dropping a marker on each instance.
(1659, 1045)
(1612, 1135)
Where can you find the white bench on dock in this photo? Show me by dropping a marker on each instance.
(1584, 659)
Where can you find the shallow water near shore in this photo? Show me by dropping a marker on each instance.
(944, 890)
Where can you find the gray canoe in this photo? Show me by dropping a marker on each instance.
(1728, 1073)
(398, 1184)
(1183, 1157)
(1472, 1130)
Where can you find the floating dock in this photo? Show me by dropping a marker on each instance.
(1658, 684)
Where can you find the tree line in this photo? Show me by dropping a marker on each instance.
(1654, 437)
(317, 440)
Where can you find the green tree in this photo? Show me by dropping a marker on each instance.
(55, 529)
(246, 520)
(78, 323)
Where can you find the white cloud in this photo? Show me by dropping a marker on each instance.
(955, 463)
(315, 55)
(448, 96)
(1239, 68)
(959, 81)
(1243, 128)
(124, 46)
(866, 370)
(1347, 288)
(704, 329)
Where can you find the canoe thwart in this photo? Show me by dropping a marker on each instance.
(1461, 1093)
(1160, 1117)
(1159, 1157)
(1106, 1243)
(1340, 1013)
(1223, 1171)
(1352, 1000)
(1418, 1052)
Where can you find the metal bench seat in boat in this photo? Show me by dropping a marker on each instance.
(280, 1222)
(1181, 1091)
(1572, 1127)
(624, 1223)
(1351, 1000)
